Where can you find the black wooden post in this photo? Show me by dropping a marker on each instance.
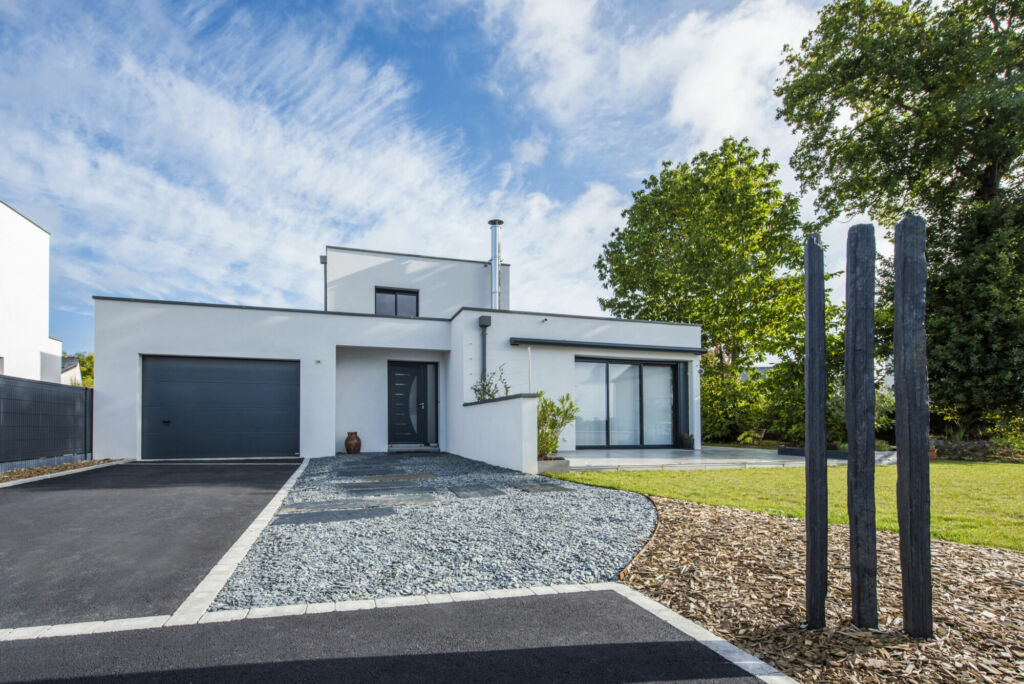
(814, 432)
(860, 421)
(911, 370)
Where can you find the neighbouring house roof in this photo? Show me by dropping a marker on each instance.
(68, 362)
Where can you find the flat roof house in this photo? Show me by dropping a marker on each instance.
(393, 356)
(26, 348)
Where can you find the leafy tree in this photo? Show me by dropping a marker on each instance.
(716, 241)
(919, 106)
(975, 314)
(910, 106)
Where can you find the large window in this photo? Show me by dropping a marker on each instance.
(592, 398)
(404, 303)
(624, 404)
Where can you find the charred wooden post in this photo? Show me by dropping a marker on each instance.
(814, 432)
(911, 370)
(860, 421)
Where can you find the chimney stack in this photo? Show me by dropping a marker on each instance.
(495, 262)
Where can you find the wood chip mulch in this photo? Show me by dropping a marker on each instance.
(23, 473)
(740, 575)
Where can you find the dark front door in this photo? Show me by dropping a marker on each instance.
(410, 398)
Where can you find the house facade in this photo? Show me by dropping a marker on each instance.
(26, 348)
(393, 357)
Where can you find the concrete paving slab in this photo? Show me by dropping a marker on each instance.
(533, 486)
(475, 491)
(314, 517)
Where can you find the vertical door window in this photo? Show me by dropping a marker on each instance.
(591, 397)
(623, 404)
(657, 404)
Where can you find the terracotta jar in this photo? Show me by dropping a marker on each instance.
(352, 443)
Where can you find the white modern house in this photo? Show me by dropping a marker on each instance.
(393, 356)
(26, 348)
(70, 371)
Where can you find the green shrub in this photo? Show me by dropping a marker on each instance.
(552, 418)
(728, 405)
(487, 387)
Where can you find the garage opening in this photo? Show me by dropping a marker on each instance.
(201, 407)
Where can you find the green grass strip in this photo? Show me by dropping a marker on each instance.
(972, 503)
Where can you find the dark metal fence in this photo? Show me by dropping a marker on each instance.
(41, 420)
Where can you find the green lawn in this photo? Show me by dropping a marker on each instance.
(972, 503)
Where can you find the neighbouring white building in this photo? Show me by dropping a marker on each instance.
(393, 356)
(26, 348)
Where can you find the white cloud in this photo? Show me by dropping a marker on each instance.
(530, 151)
(221, 175)
(679, 82)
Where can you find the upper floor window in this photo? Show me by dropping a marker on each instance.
(404, 303)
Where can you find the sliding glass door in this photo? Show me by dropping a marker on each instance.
(624, 404)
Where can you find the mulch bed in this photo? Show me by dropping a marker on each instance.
(740, 574)
(22, 473)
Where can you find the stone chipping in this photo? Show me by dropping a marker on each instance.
(439, 542)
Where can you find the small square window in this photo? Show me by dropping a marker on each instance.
(402, 303)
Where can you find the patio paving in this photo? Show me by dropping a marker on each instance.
(682, 459)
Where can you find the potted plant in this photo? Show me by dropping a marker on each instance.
(686, 440)
(552, 418)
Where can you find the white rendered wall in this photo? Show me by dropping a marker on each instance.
(554, 368)
(343, 361)
(444, 285)
(362, 394)
(127, 330)
(27, 349)
(502, 433)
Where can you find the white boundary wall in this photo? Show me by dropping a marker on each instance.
(502, 432)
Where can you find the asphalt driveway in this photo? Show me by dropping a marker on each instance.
(597, 636)
(125, 541)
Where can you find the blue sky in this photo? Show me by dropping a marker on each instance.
(208, 151)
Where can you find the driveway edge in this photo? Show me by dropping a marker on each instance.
(72, 471)
(195, 606)
(733, 654)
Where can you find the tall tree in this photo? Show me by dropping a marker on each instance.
(717, 241)
(910, 106)
(919, 106)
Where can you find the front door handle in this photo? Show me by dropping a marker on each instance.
(166, 422)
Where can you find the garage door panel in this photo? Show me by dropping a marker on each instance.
(178, 394)
(213, 407)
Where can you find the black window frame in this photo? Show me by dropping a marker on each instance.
(394, 292)
(677, 391)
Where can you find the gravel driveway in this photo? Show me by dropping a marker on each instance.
(377, 525)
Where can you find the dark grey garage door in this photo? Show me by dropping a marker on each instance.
(219, 408)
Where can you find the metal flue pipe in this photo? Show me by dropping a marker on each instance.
(495, 262)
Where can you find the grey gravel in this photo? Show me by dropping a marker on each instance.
(575, 534)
